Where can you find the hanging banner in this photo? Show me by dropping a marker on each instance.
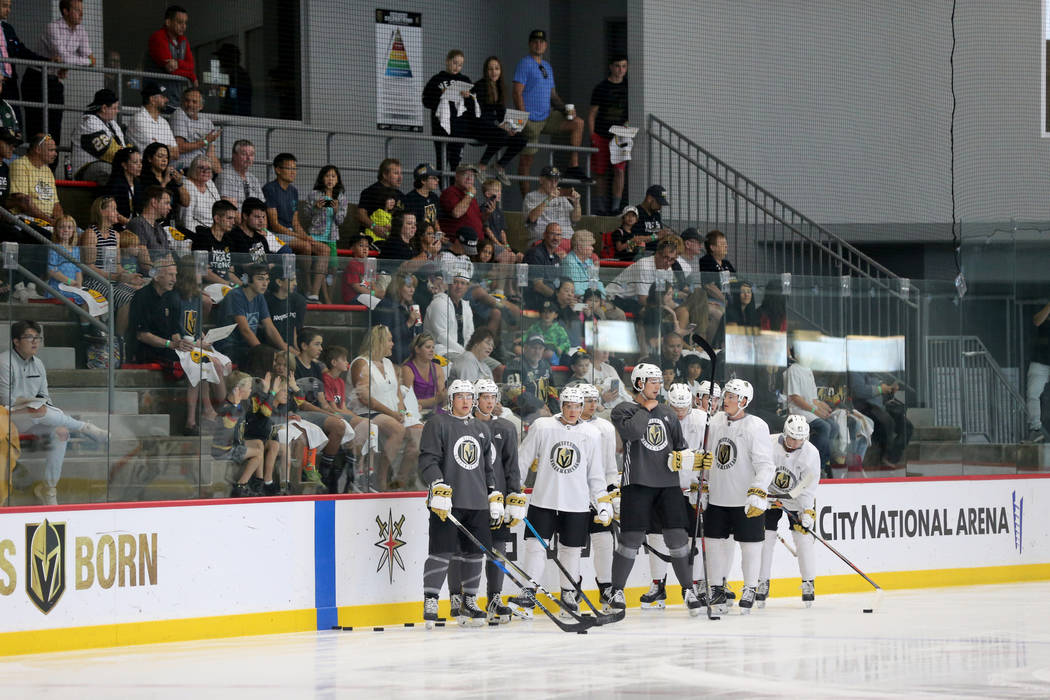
(399, 84)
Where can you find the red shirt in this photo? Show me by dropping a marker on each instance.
(334, 390)
(355, 270)
(160, 50)
(449, 225)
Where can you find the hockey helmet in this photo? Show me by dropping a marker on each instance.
(796, 427)
(571, 394)
(643, 372)
(589, 391)
(679, 396)
(743, 390)
(707, 388)
(460, 386)
(486, 386)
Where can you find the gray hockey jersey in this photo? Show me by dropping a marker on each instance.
(459, 451)
(648, 437)
(505, 442)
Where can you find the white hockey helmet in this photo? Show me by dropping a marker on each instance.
(570, 394)
(707, 388)
(742, 388)
(589, 391)
(460, 386)
(643, 372)
(796, 427)
(486, 386)
(679, 396)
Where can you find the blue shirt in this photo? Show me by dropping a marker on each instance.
(285, 201)
(537, 93)
(57, 262)
(236, 304)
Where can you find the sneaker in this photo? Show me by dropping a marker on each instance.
(497, 611)
(656, 597)
(31, 292)
(568, 604)
(616, 599)
(47, 495)
(1035, 435)
(430, 610)
(576, 173)
(94, 432)
(761, 593)
(692, 602)
(312, 476)
(523, 603)
(255, 486)
(455, 602)
(747, 600)
(313, 299)
(719, 606)
(808, 593)
(240, 491)
(470, 615)
(501, 175)
(271, 489)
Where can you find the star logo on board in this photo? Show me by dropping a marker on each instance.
(389, 542)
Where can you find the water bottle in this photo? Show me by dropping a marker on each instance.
(68, 168)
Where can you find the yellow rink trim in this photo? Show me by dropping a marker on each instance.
(156, 631)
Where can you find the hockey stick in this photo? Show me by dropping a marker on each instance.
(581, 625)
(600, 617)
(698, 526)
(786, 544)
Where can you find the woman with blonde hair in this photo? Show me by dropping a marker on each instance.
(203, 194)
(375, 393)
(95, 241)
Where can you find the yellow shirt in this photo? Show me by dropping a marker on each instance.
(37, 183)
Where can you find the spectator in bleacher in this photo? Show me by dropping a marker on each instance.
(495, 223)
(528, 382)
(717, 247)
(228, 441)
(424, 375)
(250, 238)
(282, 205)
(8, 141)
(534, 93)
(625, 245)
(397, 311)
(236, 183)
(772, 315)
(741, 309)
(286, 305)
(579, 265)
(1038, 374)
(801, 389)
(170, 51)
(553, 331)
(608, 108)
(202, 194)
(23, 379)
(672, 344)
(692, 248)
(9, 119)
(375, 196)
(476, 363)
(99, 237)
(449, 317)
(650, 225)
(192, 304)
(148, 125)
(98, 138)
(451, 111)
(157, 170)
(62, 269)
(246, 307)
(315, 408)
(195, 133)
(354, 282)
(124, 181)
(570, 316)
(547, 205)
(630, 289)
(488, 295)
(33, 190)
(459, 206)
(326, 211)
(544, 261)
(376, 395)
(491, 98)
(238, 97)
(65, 41)
(12, 47)
(216, 240)
(422, 200)
(398, 245)
(149, 226)
(873, 396)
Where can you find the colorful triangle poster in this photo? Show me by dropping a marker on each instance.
(397, 59)
(399, 45)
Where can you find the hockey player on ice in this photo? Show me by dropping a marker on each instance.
(602, 535)
(456, 459)
(794, 485)
(736, 495)
(655, 451)
(707, 396)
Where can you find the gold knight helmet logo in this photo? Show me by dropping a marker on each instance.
(565, 457)
(45, 563)
(782, 480)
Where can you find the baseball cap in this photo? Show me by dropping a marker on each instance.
(537, 34)
(629, 210)
(551, 172)
(658, 193)
(548, 306)
(152, 88)
(592, 293)
(579, 356)
(536, 339)
(690, 234)
(469, 238)
(464, 167)
(103, 98)
(425, 170)
(8, 136)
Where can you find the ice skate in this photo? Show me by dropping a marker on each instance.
(521, 605)
(747, 600)
(719, 606)
(455, 600)
(761, 593)
(692, 603)
(470, 615)
(430, 610)
(497, 611)
(568, 604)
(808, 593)
(656, 597)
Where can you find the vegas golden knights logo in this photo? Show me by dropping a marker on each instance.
(45, 563)
(467, 452)
(725, 454)
(655, 435)
(782, 480)
(565, 457)
(189, 320)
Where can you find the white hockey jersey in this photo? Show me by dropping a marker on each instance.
(693, 426)
(801, 466)
(569, 475)
(606, 448)
(743, 458)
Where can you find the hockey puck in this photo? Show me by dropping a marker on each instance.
(377, 629)
(582, 632)
(410, 624)
(440, 624)
(493, 623)
(868, 610)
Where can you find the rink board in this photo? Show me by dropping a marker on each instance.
(117, 574)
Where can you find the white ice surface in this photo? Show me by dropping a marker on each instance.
(986, 641)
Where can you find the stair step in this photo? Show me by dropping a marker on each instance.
(937, 433)
(58, 357)
(127, 378)
(123, 427)
(921, 417)
(73, 400)
(34, 312)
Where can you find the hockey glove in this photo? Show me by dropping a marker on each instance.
(607, 500)
(515, 509)
(678, 459)
(614, 500)
(605, 512)
(703, 496)
(439, 499)
(496, 510)
(805, 521)
(694, 493)
(703, 460)
(756, 503)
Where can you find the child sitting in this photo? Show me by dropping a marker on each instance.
(59, 269)
(354, 283)
(228, 441)
(555, 335)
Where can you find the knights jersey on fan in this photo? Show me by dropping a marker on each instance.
(743, 458)
(606, 448)
(648, 437)
(505, 442)
(458, 451)
(568, 475)
(801, 466)
(693, 431)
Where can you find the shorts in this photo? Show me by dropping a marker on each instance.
(445, 538)
(722, 521)
(533, 129)
(600, 162)
(501, 533)
(571, 527)
(639, 505)
(656, 526)
(316, 417)
(772, 518)
(236, 454)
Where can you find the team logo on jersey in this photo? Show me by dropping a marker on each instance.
(725, 454)
(189, 321)
(565, 457)
(782, 480)
(655, 437)
(45, 563)
(467, 452)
